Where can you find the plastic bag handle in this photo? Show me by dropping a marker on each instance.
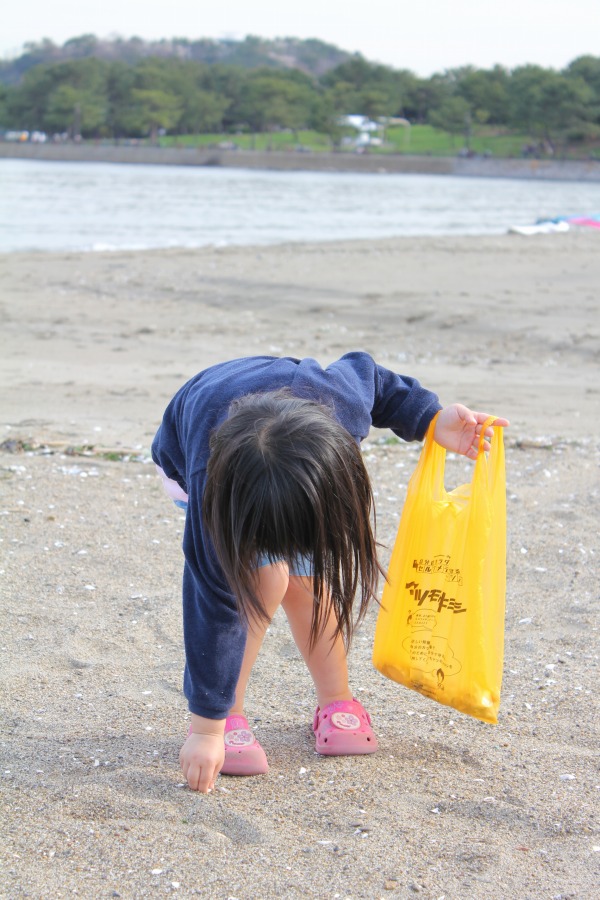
(489, 421)
(430, 472)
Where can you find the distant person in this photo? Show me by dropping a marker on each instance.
(264, 454)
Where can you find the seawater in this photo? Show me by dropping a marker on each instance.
(61, 206)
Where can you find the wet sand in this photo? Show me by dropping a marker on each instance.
(93, 346)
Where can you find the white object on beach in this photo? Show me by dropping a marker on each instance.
(540, 228)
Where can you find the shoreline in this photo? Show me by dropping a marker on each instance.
(478, 167)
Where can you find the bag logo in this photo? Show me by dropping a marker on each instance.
(435, 596)
(438, 565)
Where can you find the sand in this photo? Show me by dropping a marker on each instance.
(93, 802)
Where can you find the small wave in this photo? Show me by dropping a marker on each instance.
(102, 248)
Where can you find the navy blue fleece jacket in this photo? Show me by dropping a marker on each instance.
(361, 394)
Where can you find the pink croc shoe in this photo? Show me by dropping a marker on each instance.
(243, 753)
(343, 728)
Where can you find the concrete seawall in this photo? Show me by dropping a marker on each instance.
(317, 162)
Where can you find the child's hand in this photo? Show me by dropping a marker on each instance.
(201, 759)
(458, 429)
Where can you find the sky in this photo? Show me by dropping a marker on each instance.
(424, 36)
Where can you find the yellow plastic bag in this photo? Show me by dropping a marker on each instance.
(440, 629)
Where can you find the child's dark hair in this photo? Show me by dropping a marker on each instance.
(285, 479)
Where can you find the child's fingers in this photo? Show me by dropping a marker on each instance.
(473, 451)
(198, 779)
(214, 778)
(481, 417)
(489, 432)
(192, 772)
(203, 778)
(201, 764)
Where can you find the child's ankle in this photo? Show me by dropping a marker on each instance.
(324, 700)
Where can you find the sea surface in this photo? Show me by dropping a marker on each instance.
(58, 206)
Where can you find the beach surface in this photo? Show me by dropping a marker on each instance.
(93, 802)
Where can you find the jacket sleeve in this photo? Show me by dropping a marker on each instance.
(214, 635)
(403, 405)
(387, 400)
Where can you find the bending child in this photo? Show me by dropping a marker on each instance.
(264, 453)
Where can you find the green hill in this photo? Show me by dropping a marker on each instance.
(313, 57)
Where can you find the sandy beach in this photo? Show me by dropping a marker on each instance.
(93, 803)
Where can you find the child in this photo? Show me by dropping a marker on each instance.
(265, 455)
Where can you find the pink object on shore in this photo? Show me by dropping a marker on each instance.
(588, 223)
(343, 728)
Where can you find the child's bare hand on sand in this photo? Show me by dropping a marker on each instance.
(202, 756)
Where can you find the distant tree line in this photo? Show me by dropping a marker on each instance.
(98, 97)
